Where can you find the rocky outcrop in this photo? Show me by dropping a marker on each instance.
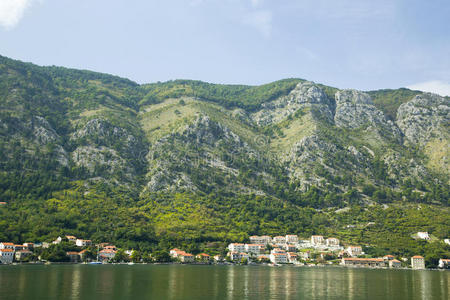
(424, 117)
(355, 109)
(204, 130)
(43, 131)
(304, 95)
(103, 158)
(102, 132)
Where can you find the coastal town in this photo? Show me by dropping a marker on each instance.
(275, 251)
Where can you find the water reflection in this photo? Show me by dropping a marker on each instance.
(218, 282)
(76, 283)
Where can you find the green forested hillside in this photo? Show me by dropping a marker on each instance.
(199, 164)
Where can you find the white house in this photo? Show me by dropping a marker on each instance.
(332, 242)
(278, 240)
(186, 257)
(264, 240)
(253, 248)
(278, 256)
(6, 246)
(6, 255)
(22, 254)
(291, 239)
(83, 243)
(444, 263)
(174, 252)
(292, 257)
(237, 256)
(236, 247)
(71, 238)
(418, 262)
(317, 240)
(423, 235)
(354, 251)
(289, 247)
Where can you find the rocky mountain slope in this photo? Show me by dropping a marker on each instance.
(289, 144)
(292, 136)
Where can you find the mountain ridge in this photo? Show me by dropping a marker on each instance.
(292, 145)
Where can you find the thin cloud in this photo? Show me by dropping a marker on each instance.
(12, 11)
(261, 20)
(434, 86)
(255, 3)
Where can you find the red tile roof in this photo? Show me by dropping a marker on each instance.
(107, 251)
(417, 256)
(6, 250)
(8, 244)
(364, 259)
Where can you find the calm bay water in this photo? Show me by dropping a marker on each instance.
(217, 282)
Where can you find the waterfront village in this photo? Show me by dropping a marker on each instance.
(279, 250)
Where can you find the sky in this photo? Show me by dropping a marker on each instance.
(361, 44)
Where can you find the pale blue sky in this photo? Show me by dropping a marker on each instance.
(344, 43)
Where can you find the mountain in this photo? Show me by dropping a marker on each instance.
(166, 163)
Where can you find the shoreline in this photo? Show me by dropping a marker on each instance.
(223, 264)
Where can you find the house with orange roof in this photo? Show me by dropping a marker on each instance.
(106, 254)
(71, 238)
(418, 262)
(279, 240)
(444, 263)
(5, 245)
(278, 258)
(236, 247)
(292, 257)
(175, 252)
(395, 263)
(203, 257)
(19, 247)
(265, 239)
(317, 240)
(253, 248)
(6, 255)
(3, 203)
(83, 243)
(74, 256)
(185, 257)
(291, 239)
(22, 254)
(237, 256)
(332, 242)
(363, 262)
(354, 251)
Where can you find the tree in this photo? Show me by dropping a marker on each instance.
(161, 256)
(121, 256)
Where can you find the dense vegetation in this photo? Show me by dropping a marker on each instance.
(79, 149)
(248, 97)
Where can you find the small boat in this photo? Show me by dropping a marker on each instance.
(95, 263)
(131, 263)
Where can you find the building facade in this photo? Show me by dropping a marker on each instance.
(6, 256)
(418, 262)
(317, 240)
